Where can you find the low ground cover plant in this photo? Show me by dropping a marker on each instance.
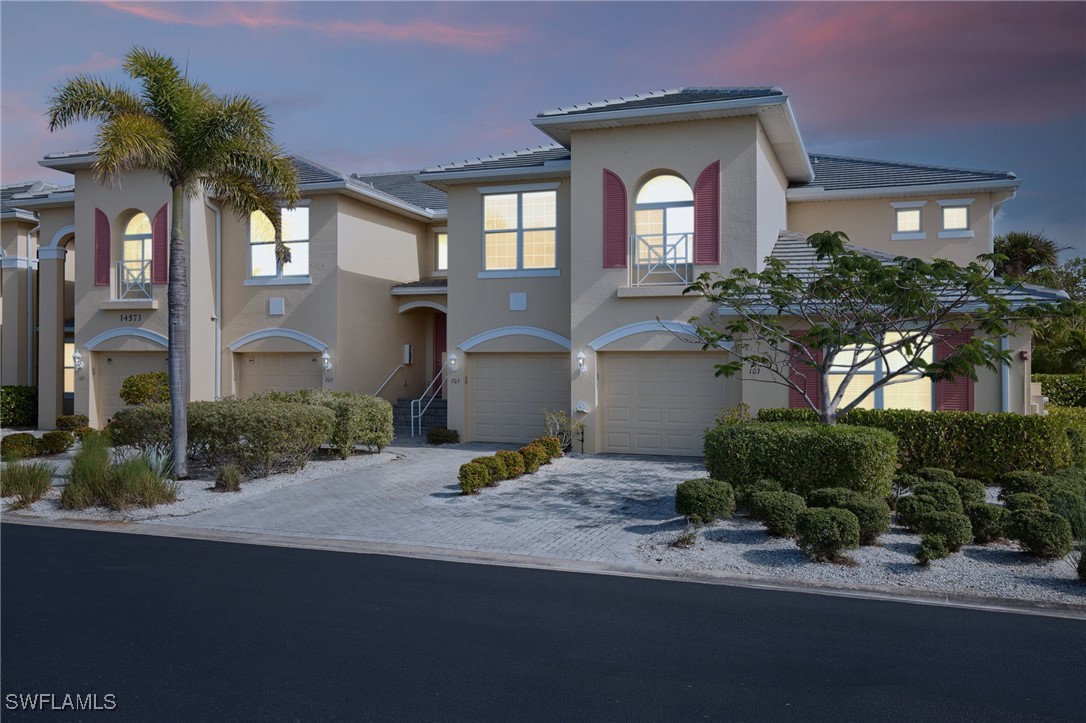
(26, 481)
(703, 500)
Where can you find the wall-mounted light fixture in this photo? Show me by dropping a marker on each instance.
(326, 361)
(452, 362)
(77, 360)
(581, 366)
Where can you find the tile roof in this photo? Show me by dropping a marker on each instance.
(662, 98)
(310, 172)
(430, 282)
(404, 186)
(36, 188)
(527, 158)
(842, 173)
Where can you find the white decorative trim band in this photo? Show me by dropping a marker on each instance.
(522, 188)
(278, 332)
(653, 326)
(911, 236)
(514, 331)
(518, 273)
(50, 253)
(152, 336)
(423, 305)
(955, 201)
(908, 204)
(59, 235)
(18, 262)
(961, 233)
(279, 281)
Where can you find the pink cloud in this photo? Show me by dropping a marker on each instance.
(97, 63)
(273, 16)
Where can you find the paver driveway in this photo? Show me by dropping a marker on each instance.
(593, 508)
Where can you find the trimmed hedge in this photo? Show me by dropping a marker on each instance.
(1044, 534)
(55, 442)
(1073, 420)
(552, 445)
(778, 511)
(953, 527)
(149, 426)
(824, 533)
(495, 467)
(1025, 501)
(745, 490)
(534, 456)
(1063, 390)
(703, 500)
(72, 422)
(514, 462)
(146, 388)
(989, 521)
(473, 477)
(911, 508)
(19, 446)
(18, 406)
(932, 547)
(817, 456)
(972, 444)
(971, 491)
(360, 420)
(946, 497)
(441, 435)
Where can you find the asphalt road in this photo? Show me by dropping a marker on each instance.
(194, 630)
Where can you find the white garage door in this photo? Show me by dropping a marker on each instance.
(112, 368)
(286, 372)
(659, 403)
(510, 391)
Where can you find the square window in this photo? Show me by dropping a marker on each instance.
(519, 231)
(295, 230)
(955, 218)
(908, 220)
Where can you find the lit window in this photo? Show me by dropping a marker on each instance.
(69, 367)
(134, 269)
(262, 261)
(916, 393)
(664, 223)
(520, 231)
(955, 218)
(908, 220)
(442, 251)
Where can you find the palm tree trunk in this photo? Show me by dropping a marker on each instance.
(178, 303)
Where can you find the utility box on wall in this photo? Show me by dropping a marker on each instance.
(407, 350)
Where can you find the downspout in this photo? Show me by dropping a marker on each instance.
(30, 309)
(218, 295)
(1005, 377)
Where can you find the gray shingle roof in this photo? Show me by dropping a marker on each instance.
(9, 191)
(842, 173)
(404, 186)
(527, 158)
(310, 172)
(428, 282)
(661, 98)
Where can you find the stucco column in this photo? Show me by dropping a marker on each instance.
(50, 335)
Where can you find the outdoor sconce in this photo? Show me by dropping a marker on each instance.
(581, 366)
(452, 362)
(326, 361)
(77, 360)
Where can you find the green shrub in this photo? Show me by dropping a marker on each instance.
(953, 527)
(146, 388)
(261, 436)
(141, 480)
(19, 446)
(148, 426)
(534, 456)
(745, 490)
(1025, 501)
(26, 481)
(1074, 476)
(817, 456)
(1063, 390)
(56, 442)
(1070, 504)
(971, 491)
(777, 511)
(903, 482)
(988, 521)
(359, 419)
(559, 424)
(18, 406)
(82, 431)
(911, 508)
(946, 497)
(441, 435)
(831, 497)
(1081, 567)
(552, 445)
(824, 533)
(473, 477)
(937, 474)
(932, 547)
(703, 500)
(873, 516)
(514, 463)
(72, 422)
(1073, 421)
(495, 466)
(229, 478)
(973, 444)
(1044, 534)
(1034, 483)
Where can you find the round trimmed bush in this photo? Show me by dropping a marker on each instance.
(873, 516)
(932, 547)
(945, 496)
(495, 466)
(909, 509)
(831, 497)
(937, 474)
(905, 481)
(534, 456)
(19, 445)
(745, 490)
(146, 388)
(552, 445)
(971, 491)
(1044, 534)
(1025, 501)
(441, 435)
(55, 442)
(1070, 504)
(824, 533)
(989, 521)
(1017, 482)
(514, 463)
(954, 527)
(777, 511)
(72, 422)
(473, 477)
(704, 500)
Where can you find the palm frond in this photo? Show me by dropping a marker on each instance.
(133, 140)
(85, 97)
(163, 84)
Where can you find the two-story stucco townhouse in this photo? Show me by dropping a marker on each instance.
(553, 266)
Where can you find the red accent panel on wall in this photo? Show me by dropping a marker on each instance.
(956, 395)
(101, 248)
(707, 216)
(807, 378)
(160, 247)
(614, 221)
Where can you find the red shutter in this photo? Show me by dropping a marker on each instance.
(956, 395)
(160, 246)
(614, 221)
(101, 248)
(807, 378)
(707, 216)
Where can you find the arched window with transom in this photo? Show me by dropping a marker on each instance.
(134, 272)
(664, 231)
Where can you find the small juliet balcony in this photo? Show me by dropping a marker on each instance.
(662, 259)
(134, 280)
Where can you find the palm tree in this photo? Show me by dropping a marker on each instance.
(1023, 252)
(194, 138)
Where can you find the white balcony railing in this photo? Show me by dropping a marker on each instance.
(662, 259)
(134, 280)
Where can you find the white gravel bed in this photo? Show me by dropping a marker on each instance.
(741, 546)
(194, 495)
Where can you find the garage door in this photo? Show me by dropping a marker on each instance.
(510, 392)
(112, 368)
(658, 403)
(285, 372)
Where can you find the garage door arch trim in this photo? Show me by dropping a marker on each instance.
(515, 331)
(298, 336)
(652, 326)
(152, 336)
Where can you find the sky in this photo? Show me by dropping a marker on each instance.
(370, 87)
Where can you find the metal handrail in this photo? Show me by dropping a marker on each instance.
(134, 280)
(662, 254)
(388, 379)
(418, 403)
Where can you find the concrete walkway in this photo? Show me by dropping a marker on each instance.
(591, 508)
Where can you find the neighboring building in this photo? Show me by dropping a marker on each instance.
(553, 266)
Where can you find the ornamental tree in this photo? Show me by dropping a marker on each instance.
(850, 311)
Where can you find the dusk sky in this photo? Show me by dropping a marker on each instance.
(364, 87)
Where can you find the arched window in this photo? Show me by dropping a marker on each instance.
(663, 230)
(134, 273)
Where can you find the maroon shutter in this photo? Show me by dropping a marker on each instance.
(614, 221)
(807, 378)
(101, 248)
(707, 216)
(956, 395)
(160, 245)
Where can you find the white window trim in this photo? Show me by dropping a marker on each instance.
(441, 230)
(961, 233)
(908, 235)
(911, 236)
(278, 279)
(522, 188)
(519, 272)
(908, 204)
(956, 232)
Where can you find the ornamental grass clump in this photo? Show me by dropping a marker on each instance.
(228, 478)
(703, 500)
(778, 511)
(141, 480)
(27, 482)
(825, 533)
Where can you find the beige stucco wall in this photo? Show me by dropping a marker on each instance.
(56, 304)
(870, 223)
(772, 204)
(18, 289)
